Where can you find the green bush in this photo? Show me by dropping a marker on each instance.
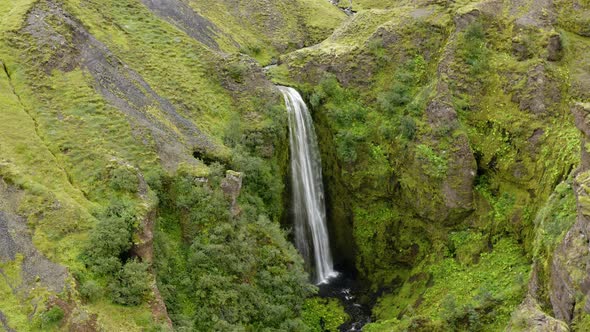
(245, 276)
(110, 238)
(131, 285)
(233, 132)
(346, 145)
(90, 290)
(105, 254)
(408, 127)
(377, 49)
(237, 71)
(230, 273)
(323, 314)
(124, 179)
(52, 318)
(397, 96)
(202, 205)
(251, 50)
(472, 48)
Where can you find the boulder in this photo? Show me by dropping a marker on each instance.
(231, 186)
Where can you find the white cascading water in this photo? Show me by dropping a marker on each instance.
(311, 233)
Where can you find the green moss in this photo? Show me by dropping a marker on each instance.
(323, 314)
(13, 307)
(449, 294)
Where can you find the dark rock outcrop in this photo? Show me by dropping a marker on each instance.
(554, 48)
(16, 240)
(231, 186)
(570, 267)
(183, 16)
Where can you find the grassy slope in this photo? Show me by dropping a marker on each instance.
(265, 29)
(59, 136)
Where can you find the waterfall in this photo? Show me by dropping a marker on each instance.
(311, 233)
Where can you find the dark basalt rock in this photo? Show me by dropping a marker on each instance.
(15, 239)
(570, 268)
(554, 48)
(183, 16)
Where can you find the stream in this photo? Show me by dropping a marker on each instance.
(348, 290)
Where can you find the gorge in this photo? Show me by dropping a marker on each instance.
(159, 169)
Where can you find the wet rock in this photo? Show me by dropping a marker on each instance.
(386, 36)
(569, 282)
(520, 50)
(581, 114)
(530, 318)
(144, 248)
(82, 321)
(534, 13)
(535, 141)
(441, 114)
(16, 239)
(448, 196)
(7, 244)
(458, 185)
(540, 93)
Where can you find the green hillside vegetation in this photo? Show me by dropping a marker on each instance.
(144, 161)
(396, 69)
(94, 132)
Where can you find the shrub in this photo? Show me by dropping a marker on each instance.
(347, 142)
(245, 274)
(252, 50)
(237, 71)
(232, 135)
(90, 290)
(472, 48)
(398, 96)
(408, 127)
(52, 318)
(323, 314)
(378, 50)
(124, 179)
(201, 205)
(131, 285)
(109, 239)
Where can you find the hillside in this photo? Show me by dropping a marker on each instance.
(144, 163)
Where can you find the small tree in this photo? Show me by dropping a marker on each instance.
(131, 285)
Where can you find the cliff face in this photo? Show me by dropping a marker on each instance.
(568, 284)
(452, 125)
(450, 150)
